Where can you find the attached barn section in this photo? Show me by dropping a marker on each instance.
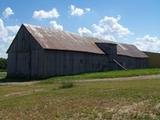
(38, 52)
(153, 59)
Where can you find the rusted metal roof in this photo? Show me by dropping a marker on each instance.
(60, 40)
(130, 50)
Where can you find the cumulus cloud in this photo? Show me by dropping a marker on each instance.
(7, 34)
(12, 29)
(56, 26)
(41, 14)
(7, 12)
(84, 31)
(75, 11)
(107, 28)
(148, 43)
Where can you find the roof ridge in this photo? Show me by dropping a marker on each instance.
(69, 32)
(63, 40)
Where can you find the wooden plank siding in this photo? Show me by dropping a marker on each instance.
(20, 53)
(154, 59)
(68, 63)
(35, 58)
(132, 63)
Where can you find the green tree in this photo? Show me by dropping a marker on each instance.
(3, 63)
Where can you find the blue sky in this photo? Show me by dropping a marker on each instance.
(140, 17)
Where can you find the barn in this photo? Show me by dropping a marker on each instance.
(153, 59)
(39, 52)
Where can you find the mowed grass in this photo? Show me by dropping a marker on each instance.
(96, 75)
(106, 74)
(110, 100)
(2, 75)
(116, 100)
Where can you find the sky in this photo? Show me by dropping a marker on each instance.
(126, 21)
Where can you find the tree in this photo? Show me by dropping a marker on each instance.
(3, 63)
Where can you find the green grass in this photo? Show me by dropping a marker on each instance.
(117, 100)
(98, 75)
(2, 75)
(107, 74)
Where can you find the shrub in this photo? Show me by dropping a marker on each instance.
(66, 84)
(3, 63)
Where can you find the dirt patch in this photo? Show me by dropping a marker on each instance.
(19, 83)
(22, 93)
(136, 110)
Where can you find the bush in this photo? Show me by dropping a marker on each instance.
(66, 85)
(3, 63)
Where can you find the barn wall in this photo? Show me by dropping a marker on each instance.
(37, 63)
(20, 53)
(11, 64)
(18, 64)
(154, 59)
(23, 42)
(26, 58)
(110, 50)
(132, 63)
(67, 63)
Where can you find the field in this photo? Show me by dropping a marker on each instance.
(116, 100)
(101, 75)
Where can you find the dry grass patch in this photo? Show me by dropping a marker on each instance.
(112, 100)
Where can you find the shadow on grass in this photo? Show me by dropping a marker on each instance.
(7, 80)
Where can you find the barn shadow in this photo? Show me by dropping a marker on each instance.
(8, 79)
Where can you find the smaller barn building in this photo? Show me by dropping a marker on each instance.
(38, 52)
(153, 59)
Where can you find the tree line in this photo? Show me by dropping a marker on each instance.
(3, 63)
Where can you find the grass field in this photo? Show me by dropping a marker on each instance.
(97, 75)
(2, 75)
(116, 100)
(108, 74)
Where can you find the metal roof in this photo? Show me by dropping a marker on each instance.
(130, 50)
(59, 40)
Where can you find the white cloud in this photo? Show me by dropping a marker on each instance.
(75, 11)
(12, 29)
(7, 33)
(87, 9)
(7, 12)
(148, 43)
(41, 14)
(56, 26)
(3, 31)
(84, 31)
(107, 28)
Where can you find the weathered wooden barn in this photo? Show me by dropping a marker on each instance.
(38, 52)
(153, 59)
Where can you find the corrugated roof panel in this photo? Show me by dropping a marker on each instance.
(130, 50)
(60, 40)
